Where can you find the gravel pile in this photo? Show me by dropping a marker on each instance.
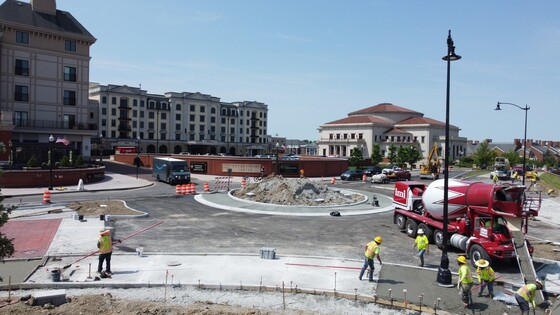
(295, 192)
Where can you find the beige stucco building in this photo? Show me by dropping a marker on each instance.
(387, 124)
(44, 78)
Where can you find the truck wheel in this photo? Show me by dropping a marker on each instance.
(411, 227)
(476, 252)
(438, 238)
(427, 231)
(401, 222)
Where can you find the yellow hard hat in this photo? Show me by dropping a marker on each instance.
(462, 259)
(540, 284)
(378, 239)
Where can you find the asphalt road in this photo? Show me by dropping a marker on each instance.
(192, 227)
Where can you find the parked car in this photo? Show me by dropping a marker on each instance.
(352, 175)
(372, 170)
(390, 168)
(398, 175)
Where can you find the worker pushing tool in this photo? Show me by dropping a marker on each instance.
(372, 251)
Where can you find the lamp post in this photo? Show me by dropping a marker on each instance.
(100, 147)
(444, 275)
(277, 161)
(51, 141)
(157, 130)
(526, 109)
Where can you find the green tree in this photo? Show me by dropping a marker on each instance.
(409, 154)
(376, 156)
(356, 158)
(6, 245)
(483, 155)
(513, 157)
(392, 153)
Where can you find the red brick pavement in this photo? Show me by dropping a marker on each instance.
(31, 238)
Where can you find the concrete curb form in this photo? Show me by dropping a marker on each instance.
(78, 191)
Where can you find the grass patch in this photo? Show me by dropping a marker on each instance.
(551, 181)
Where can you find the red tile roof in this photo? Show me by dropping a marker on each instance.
(422, 121)
(362, 120)
(383, 108)
(397, 130)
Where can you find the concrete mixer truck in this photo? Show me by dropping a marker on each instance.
(481, 216)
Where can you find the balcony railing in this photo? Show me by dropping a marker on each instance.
(51, 124)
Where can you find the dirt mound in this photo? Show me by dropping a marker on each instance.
(296, 192)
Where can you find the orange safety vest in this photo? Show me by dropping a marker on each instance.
(105, 243)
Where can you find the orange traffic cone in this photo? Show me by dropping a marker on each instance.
(47, 197)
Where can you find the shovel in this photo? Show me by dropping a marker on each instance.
(117, 241)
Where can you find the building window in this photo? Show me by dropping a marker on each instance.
(423, 139)
(113, 123)
(360, 136)
(163, 115)
(70, 45)
(202, 118)
(21, 119)
(202, 109)
(142, 125)
(22, 67)
(150, 125)
(163, 126)
(134, 113)
(151, 115)
(193, 108)
(177, 106)
(22, 93)
(141, 103)
(22, 37)
(69, 121)
(212, 110)
(178, 117)
(113, 111)
(141, 114)
(177, 127)
(114, 100)
(104, 100)
(103, 111)
(103, 122)
(69, 97)
(191, 117)
(135, 103)
(177, 136)
(69, 73)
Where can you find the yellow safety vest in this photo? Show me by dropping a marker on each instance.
(421, 241)
(372, 250)
(486, 274)
(527, 292)
(105, 244)
(465, 275)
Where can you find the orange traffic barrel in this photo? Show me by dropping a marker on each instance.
(243, 183)
(47, 197)
(333, 180)
(193, 189)
(206, 188)
(364, 178)
(178, 190)
(184, 189)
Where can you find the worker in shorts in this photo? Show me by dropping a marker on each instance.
(372, 251)
(422, 245)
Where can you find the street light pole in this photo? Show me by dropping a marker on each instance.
(277, 160)
(444, 275)
(51, 141)
(100, 147)
(526, 109)
(137, 159)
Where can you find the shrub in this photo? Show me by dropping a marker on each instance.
(65, 162)
(79, 160)
(32, 162)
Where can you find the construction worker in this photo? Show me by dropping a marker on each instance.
(465, 282)
(372, 251)
(526, 295)
(495, 178)
(422, 245)
(533, 182)
(514, 177)
(485, 275)
(301, 173)
(105, 245)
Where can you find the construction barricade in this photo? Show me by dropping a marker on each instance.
(222, 183)
(47, 197)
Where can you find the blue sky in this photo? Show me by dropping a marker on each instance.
(315, 61)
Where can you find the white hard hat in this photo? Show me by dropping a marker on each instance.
(420, 231)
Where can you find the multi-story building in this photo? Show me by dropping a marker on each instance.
(179, 122)
(385, 125)
(44, 78)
